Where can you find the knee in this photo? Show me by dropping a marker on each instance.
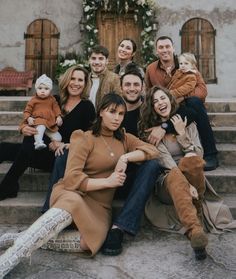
(151, 166)
(195, 103)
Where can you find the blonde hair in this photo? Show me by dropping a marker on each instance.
(190, 58)
(64, 81)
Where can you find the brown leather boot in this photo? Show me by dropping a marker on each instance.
(193, 169)
(178, 188)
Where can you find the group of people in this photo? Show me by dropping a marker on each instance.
(110, 139)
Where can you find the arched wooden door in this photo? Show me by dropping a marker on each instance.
(112, 28)
(41, 52)
(198, 37)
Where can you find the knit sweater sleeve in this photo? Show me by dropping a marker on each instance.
(133, 143)
(80, 146)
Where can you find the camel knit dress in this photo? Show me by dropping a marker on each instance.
(89, 157)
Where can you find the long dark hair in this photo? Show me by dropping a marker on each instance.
(110, 99)
(149, 118)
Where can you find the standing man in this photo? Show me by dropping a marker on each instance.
(102, 81)
(160, 73)
(141, 178)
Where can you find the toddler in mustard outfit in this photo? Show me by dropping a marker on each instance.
(43, 112)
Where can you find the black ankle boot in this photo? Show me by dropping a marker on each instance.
(200, 254)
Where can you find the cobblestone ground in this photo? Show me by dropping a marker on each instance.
(151, 255)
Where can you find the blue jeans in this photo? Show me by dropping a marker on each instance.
(203, 126)
(146, 175)
(57, 173)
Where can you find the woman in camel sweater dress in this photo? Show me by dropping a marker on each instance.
(96, 166)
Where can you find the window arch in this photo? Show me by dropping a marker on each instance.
(41, 47)
(198, 37)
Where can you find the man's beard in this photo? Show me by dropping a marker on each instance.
(132, 102)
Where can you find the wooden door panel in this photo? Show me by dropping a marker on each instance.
(42, 47)
(112, 28)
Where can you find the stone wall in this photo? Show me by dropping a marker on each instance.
(16, 16)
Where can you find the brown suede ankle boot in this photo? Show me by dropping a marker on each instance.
(178, 188)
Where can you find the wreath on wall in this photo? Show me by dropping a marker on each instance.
(144, 14)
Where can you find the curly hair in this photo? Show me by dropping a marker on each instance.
(64, 82)
(148, 116)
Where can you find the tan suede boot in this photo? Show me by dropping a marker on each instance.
(178, 187)
(193, 169)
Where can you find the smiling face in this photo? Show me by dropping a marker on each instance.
(126, 50)
(165, 50)
(76, 84)
(98, 62)
(161, 104)
(43, 91)
(132, 87)
(112, 117)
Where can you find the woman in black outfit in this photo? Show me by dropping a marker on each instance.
(78, 113)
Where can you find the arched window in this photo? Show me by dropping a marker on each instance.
(41, 47)
(198, 37)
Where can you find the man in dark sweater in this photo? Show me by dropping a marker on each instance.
(140, 178)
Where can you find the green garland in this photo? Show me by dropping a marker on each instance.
(143, 10)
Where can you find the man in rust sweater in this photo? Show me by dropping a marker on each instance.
(160, 72)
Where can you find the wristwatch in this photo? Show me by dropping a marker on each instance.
(164, 126)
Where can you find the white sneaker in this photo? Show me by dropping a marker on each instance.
(39, 145)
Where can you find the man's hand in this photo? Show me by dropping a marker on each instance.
(29, 131)
(156, 135)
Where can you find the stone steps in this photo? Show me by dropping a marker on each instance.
(25, 209)
(33, 184)
(223, 179)
(222, 134)
(221, 105)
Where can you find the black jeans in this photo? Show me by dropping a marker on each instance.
(57, 173)
(23, 156)
(203, 126)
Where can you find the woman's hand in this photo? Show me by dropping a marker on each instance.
(59, 120)
(193, 192)
(60, 149)
(116, 179)
(179, 124)
(29, 131)
(121, 165)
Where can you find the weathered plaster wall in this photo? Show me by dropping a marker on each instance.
(15, 16)
(222, 15)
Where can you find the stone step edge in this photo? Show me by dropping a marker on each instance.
(28, 199)
(26, 211)
(221, 170)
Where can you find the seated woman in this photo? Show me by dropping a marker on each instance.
(125, 53)
(96, 166)
(77, 113)
(183, 183)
